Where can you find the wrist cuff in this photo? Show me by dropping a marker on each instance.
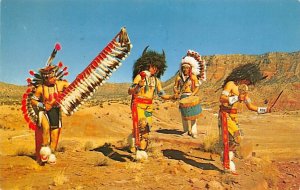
(261, 110)
(226, 93)
(40, 105)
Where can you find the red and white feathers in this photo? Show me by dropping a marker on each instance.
(95, 74)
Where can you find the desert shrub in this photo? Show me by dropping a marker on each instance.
(61, 148)
(60, 179)
(211, 144)
(154, 149)
(228, 179)
(22, 151)
(88, 146)
(101, 162)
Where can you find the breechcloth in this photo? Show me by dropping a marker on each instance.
(54, 118)
(141, 108)
(228, 128)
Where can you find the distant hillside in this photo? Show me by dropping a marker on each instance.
(283, 70)
(280, 67)
(12, 94)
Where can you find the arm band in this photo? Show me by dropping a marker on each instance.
(233, 99)
(226, 93)
(261, 110)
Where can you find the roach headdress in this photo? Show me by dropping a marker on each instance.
(148, 58)
(249, 71)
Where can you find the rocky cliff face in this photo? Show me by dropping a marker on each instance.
(280, 67)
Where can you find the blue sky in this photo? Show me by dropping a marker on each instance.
(29, 30)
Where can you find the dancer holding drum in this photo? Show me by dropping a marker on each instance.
(235, 89)
(186, 87)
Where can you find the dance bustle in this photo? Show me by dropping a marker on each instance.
(85, 84)
(96, 73)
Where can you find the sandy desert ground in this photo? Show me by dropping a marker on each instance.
(92, 152)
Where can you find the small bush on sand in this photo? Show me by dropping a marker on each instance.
(61, 148)
(154, 149)
(60, 179)
(211, 144)
(22, 151)
(88, 146)
(101, 162)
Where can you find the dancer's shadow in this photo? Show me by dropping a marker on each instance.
(29, 155)
(170, 131)
(179, 155)
(108, 151)
(32, 156)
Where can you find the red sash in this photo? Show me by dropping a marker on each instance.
(225, 136)
(135, 119)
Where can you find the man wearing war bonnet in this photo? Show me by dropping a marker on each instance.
(191, 74)
(147, 71)
(235, 90)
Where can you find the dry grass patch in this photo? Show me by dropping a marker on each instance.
(61, 148)
(89, 145)
(101, 162)
(211, 144)
(23, 151)
(60, 179)
(154, 149)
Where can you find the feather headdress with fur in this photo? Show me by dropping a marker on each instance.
(148, 58)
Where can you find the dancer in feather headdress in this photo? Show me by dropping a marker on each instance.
(191, 73)
(48, 94)
(46, 87)
(235, 90)
(146, 85)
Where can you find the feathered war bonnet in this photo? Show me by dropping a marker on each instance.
(197, 64)
(249, 71)
(148, 58)
(50, 69)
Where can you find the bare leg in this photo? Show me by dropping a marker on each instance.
(54, 138)
(46, 130)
